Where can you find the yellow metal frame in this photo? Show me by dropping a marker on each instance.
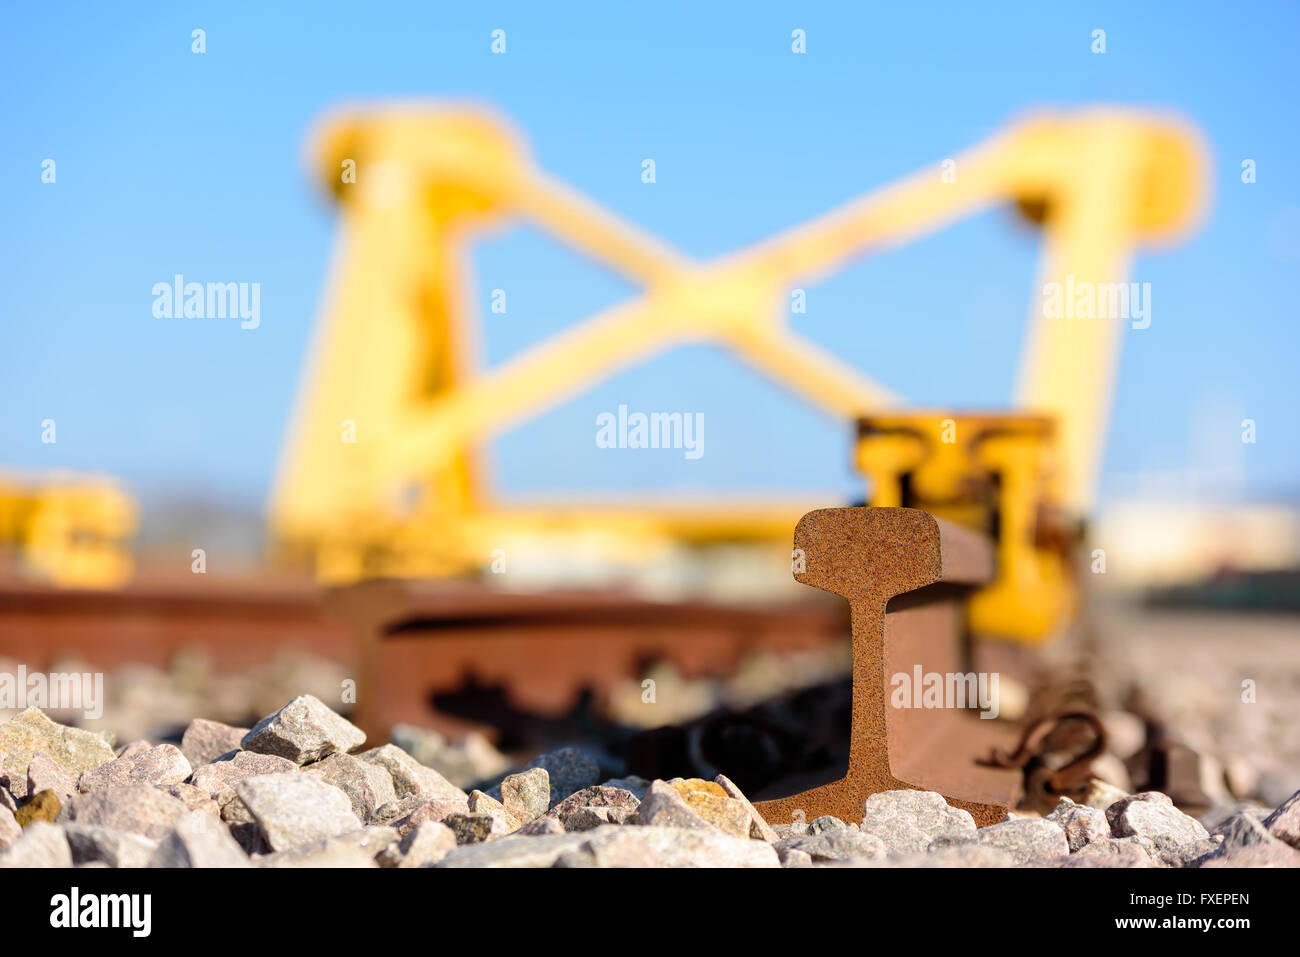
(993, 472)
(69, 530)
(394, 354)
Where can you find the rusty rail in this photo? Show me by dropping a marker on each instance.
(904, 574)
(420, 639)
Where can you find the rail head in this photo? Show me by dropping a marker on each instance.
(871, 556)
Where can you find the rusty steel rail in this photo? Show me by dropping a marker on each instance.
(544, 649)
(905, 575)
(237, 623)
(420, 639)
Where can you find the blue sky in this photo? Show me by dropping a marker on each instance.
(171, 162)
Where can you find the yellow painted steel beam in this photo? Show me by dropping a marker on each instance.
(394, 355)
(1132, 181)
(70, 530)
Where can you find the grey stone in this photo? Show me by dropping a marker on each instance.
(46, 774)
(10, 830)
(1277, 854)
(327, 853)
(26, 734)
(13, 787)
(965, 855)
(198, 840)
(413, 810)
(218, 778)
(465, 763)
(827, 822)
(304, 730)
(908, 821)
(590, 818)
(42, 845)
(1168, 834)
(614, 846)
(409, 776)
(1083, 825)
(793, 857)
(1115, 811)
(597, 796)
(1284, 823)
(422, 744)
(481, 803)
(543, 825)
(366, 784)
(472, 828)
(664, 807)
(950, 857)
(835, 845)
(514, 851)
(638, 786)
(374, 838)
(423, 846)
(157, 766)
(243, 826)
(759, 829)
(1244, 830)
(294, 809)
(1026, 839)
(1126, 852)
(1241, 837)
(355, 849)
(1213, 819)
(527, 795)
(194, 799)
(1171, 838)
(205, 741)
(137, 808)
(90, 843)
(1182, 855)
(569, 770)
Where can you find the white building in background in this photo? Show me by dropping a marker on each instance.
(1167, 543)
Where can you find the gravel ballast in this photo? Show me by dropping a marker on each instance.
(296, 790)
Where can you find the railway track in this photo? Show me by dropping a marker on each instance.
(407, 642)
(414, 646)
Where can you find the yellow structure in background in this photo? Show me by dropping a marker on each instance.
(379, 474)
(992, 472)
(69, 530)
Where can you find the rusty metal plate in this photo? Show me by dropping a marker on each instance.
(420, 639)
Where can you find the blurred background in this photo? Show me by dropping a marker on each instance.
(169, 160)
